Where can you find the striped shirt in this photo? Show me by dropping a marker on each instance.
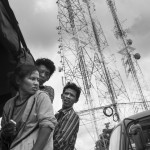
(66, 130)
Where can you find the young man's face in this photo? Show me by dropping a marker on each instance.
(44, 74)
(69, 98)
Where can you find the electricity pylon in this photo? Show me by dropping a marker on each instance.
(82, 50)
(140, 91)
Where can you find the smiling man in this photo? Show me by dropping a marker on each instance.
(65, 133)
(46, 68)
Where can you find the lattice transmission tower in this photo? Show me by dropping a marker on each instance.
(84, 61)
(139, 89)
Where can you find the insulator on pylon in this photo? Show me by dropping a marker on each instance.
(129, 42)
(60, 46)
(60, 40)
(137, 56)
(115, 117)
(60, 69)
(108, 111)
(58, 28)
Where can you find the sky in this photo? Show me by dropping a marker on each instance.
(38, 22)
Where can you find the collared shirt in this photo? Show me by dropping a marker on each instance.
(49, 90)
(66, 130)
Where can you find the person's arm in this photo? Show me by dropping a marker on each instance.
(44, 133)
(46, 121)
(68, 132)
(51, 92)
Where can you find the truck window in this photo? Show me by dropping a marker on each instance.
(115, 139)
(139, 135)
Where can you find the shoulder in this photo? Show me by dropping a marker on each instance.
(48, 87)
(10, 102)
(73, 114)
(9, 105)
(41, 95)
(50, 91)
(73, 111)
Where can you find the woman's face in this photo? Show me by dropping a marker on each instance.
(30, 84)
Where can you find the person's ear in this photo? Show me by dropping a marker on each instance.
(61, 96)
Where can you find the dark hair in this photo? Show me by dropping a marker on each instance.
(47, 63)
(21, 72)
(74, 87)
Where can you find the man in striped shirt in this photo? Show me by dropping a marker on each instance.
(66, 130)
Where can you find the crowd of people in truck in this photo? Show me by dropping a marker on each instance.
(26, 103)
